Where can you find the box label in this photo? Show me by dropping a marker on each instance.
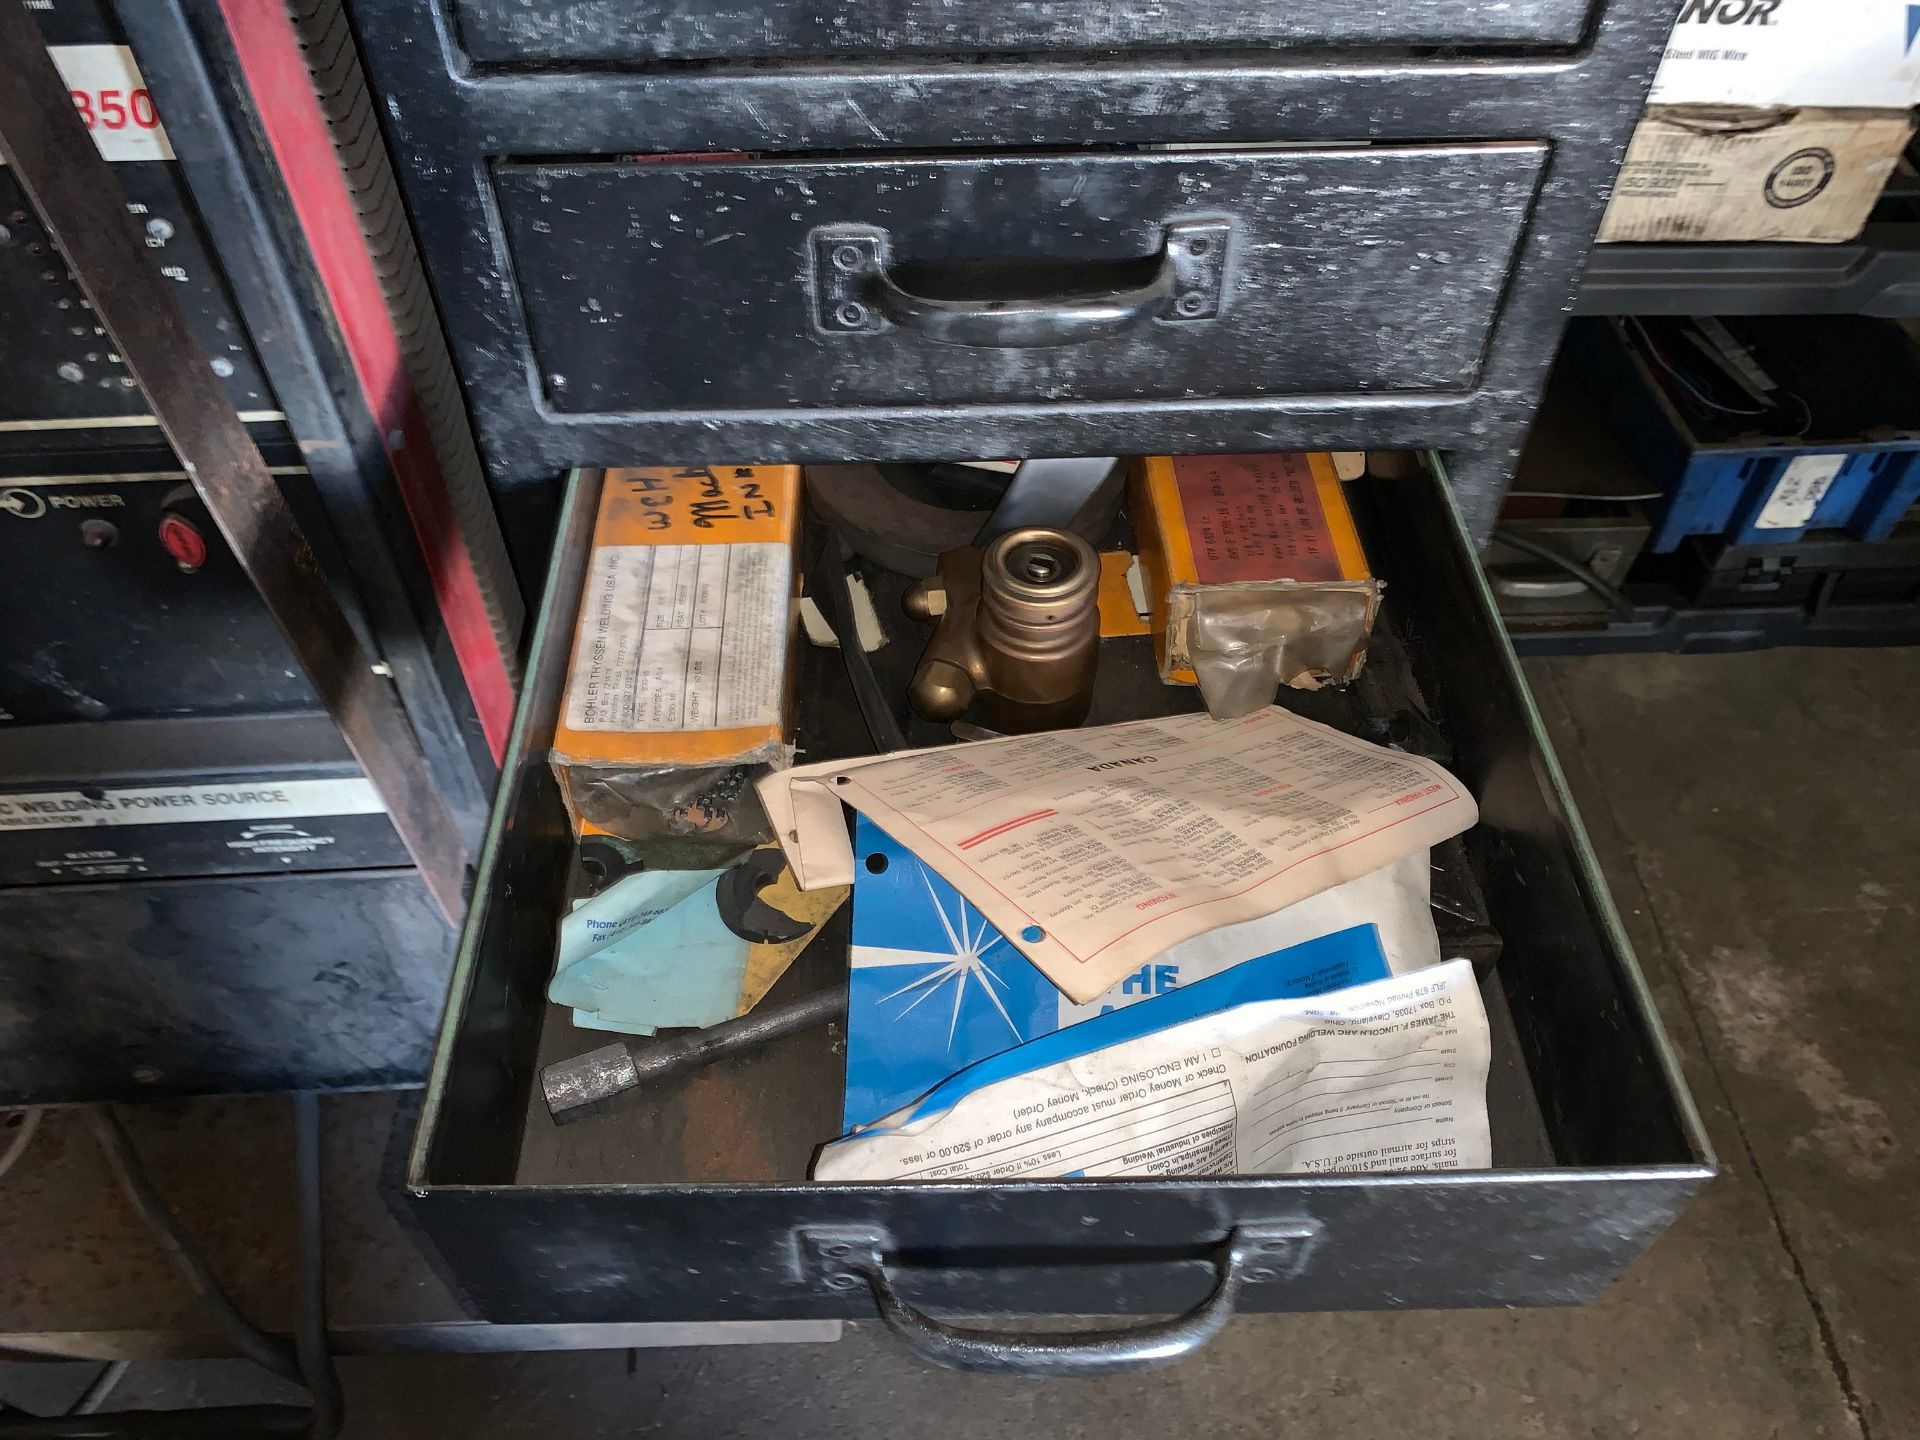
(1791, 52)
(1255, 518)
(1798, 492)
(681, 637)
(1693, 174)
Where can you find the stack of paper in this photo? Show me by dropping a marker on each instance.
(1095, 854)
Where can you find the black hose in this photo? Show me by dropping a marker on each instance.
(310, 1334)
(249, 1339)
(1616, 598)
(308, 1363)
(882, 724)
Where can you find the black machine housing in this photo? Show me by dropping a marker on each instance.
(202, 890)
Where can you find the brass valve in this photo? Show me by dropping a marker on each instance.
(1019, 632)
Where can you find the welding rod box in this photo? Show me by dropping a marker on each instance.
(1254, 574)
(1771, 120)
(680, 689)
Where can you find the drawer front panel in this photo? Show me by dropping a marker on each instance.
(520, 32)
(801, 284)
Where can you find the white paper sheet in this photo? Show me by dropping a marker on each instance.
(1095, 850)
(1387, 1077)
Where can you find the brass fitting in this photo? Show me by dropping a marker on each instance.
(1019, 632)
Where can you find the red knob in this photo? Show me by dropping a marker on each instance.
(183, 541)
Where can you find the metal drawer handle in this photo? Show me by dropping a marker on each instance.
(1515, 588)
(1250, 1254)
(856, 295)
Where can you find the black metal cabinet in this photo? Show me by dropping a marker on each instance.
(1429, 303)
(895, 229)
(689, 1204)
(496, 32)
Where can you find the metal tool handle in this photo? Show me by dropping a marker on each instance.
(1247, 1255)
(858, 294)
(663, 1060)
(577, 1087)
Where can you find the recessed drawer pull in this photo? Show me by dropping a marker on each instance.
(856, 295)
(844, 1259)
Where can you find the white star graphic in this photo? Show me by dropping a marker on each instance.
(967, 961)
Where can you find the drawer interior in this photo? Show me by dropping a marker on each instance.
(519, 32)
(1581, 1079)
(803, 283)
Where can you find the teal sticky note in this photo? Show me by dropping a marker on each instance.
(657, 958)
(622, 908)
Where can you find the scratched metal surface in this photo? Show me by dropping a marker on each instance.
(449, 119)
(513, 32)
(219, 984)
(1401, 252)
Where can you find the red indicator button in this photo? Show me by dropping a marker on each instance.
(183, 541)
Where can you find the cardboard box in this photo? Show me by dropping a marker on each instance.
(1258, 548)
(1739, 173)
(1771, 120)
(680, 681)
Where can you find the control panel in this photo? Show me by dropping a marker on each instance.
(123, 602)
(58, 368)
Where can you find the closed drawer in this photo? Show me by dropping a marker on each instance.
(521, 32)
(776, 284)
(691, 1203)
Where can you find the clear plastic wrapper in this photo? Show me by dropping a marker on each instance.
(672, 802)
(1245, 641)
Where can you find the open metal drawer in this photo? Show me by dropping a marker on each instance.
(693, 1205)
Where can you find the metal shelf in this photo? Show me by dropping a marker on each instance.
(1877, 274)
(1667, 626)
(1826, 589)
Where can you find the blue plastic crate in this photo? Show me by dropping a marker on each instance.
(1858, 470)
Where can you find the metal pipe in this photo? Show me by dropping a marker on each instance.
(572, 1086)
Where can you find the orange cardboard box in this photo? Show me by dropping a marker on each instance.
(1252, 552)
(681, 667)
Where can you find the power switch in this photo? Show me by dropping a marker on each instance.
(183, 522)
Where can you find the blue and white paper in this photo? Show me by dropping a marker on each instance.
(1227, 1076)
(935, 988)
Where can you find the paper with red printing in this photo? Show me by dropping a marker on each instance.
(1095, 850)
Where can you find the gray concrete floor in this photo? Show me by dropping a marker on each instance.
(1759, 821)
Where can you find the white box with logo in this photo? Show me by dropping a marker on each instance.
(1771, 120)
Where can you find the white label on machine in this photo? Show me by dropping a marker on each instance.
(1798, 492)
(112, 98)
(189, 804)
(682, 637)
